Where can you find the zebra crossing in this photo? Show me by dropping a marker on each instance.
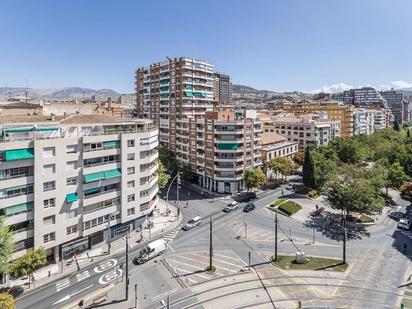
(62, 284)
(191, 265)
(172, 234)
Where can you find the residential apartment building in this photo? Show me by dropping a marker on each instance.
(363, 97)
(171, 90)
(304, 129)
(223, 88)
(220, 147)
(398, 105)
(274, 146)
(64, 180)
(335, 111)
(364, 121)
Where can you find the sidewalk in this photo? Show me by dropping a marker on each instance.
(160, 225)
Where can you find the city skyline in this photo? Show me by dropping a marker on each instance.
(268, 45)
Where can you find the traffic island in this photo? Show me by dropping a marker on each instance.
(313, 263)
(285, 206)
(210, 271)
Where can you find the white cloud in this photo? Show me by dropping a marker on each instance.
(400, 84)
(339, 87)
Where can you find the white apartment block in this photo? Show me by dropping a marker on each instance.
(64, 179)
(304, 129)
(363, 121)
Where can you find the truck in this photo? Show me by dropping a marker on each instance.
(151, 250)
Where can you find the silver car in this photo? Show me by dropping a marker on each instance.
(192, 223)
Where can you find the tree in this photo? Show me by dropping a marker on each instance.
(406, 189)
(348, 150)
(396, 125)
(299, 157)
(6, 246)
(254, 178)
(276, 166)
(308, 169)
(7, 301)
(28, 263)
(162, 175)
(351, 193)
(396, 176)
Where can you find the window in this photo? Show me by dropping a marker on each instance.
(130, 211)
(71, 229)
(71, 148)
(71, 213)
(49, 237)
(49, 152)
(130, 198)
(49, 185)
(130, 170)
(130, 184)
(144, 206)
(51, 202)
(130, 143)
(49, 169)
(71, 181)
(71, 165)
(130, 156)
(49, 220)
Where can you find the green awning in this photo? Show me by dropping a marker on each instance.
(91, 191)
(12, 210)
(188, 94)
(46, 129)
(93, 177)
(71, 197)
(111, 144)
(19, 154)
(112, 173)
(164, 88)
(227, 146)
(197, 94)
(15, 130)
(164, 95)
(188, 86)
(164, 81)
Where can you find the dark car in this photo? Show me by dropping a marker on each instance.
(244, 197)
(249, 207)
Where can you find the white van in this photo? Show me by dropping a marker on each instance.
(404, 224)
(151, 250)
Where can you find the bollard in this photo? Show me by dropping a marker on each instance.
(49, 273)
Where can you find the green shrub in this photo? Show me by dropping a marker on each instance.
(313, 194)
(289, 208)
(302, 190)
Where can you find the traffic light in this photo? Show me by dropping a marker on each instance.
(178, 181)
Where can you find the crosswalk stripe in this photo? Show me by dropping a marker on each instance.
(62, 284)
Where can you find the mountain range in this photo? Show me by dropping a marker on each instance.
(57, 93)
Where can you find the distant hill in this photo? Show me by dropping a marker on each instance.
(242, 89)
(57, 93)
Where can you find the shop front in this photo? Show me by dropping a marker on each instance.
(74, 247)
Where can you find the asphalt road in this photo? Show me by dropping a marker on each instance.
(154, 280)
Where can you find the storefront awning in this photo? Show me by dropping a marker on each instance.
(19, 154)
(71, 197)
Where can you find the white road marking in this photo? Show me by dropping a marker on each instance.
(62, 284)
(228, 257)
(105, 265)
(82, 276)
(110, 276)
(68, 296)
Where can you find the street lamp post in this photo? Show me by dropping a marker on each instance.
(276, 235)
(126, 238)
(211, 244)
(168, 190)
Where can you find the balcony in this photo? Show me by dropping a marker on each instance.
(23, 234)
(229, 159)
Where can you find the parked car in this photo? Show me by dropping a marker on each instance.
(153, 249)
(249, 207)
(232, 206)
(244, 196)
(192, 223)
(404, 224)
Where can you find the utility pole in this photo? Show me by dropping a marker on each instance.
(135, 295)
(109, 236)
(168, 189)
(127, 267)
(344, 238)
(276, 235)
(211, 244)
(177, 194)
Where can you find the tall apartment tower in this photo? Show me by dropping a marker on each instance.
(396, 103)
(176, 88)
(223, 88)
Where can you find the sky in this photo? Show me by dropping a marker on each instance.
(280, 45)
